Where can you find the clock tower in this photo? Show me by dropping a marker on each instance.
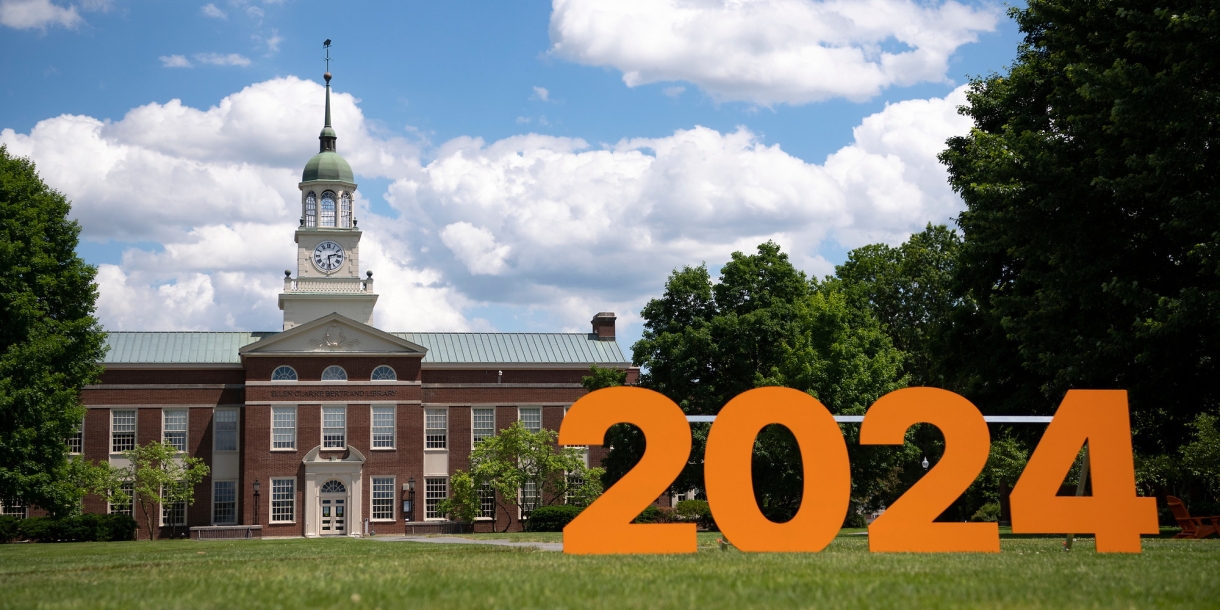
(328, 242)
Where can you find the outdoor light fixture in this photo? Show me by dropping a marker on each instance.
(924, 463)
(256, 488)
(408, 503)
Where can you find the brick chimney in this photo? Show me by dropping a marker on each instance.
(603, 326)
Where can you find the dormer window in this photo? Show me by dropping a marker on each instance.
(328, 209)
(311, 210)
(334, 373)
(283, 373)
(345, 210)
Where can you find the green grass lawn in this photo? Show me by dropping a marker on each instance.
(351, 573)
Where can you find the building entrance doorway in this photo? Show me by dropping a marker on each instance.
(333, 509)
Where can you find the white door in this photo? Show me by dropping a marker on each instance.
(333, 509)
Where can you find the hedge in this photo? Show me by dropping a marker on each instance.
(81, 528)
(551, 518)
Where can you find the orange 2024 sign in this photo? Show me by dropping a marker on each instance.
(1114, 513)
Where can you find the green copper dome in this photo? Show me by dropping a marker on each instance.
(328, 165)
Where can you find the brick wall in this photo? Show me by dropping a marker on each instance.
(309, 368)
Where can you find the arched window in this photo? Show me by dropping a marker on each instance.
(328, 209)
(345, 209)
(333, 487)
(311, 210)
(334, 373)
(283, 373)
(384, 373)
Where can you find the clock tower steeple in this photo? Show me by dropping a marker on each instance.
(328, 240)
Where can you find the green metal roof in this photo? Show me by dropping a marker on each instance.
(328, 166)
(443, 348)
(531, 348)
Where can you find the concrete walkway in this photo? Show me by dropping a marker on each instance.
(545, 546)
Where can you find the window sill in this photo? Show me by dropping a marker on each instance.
(383, 520)
(383, 449)
(435, 450)
(284, 450)
(281, 523)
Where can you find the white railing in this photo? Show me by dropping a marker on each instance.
(329, 285)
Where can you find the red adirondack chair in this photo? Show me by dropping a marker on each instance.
(1192, 527)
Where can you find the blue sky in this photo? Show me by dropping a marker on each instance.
(521, 165)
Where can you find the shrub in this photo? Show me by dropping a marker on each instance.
(654, 514)
(987, 512)
(551, 518)
(696, 511)
(82, 528)
(855, 518)
(9, 528)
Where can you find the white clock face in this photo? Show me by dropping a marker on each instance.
(328, 257)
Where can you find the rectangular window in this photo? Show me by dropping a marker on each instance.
(334, 427)
(122, 431)
(435, 490)
(10, 508)
(173, 428)
(529, 499)
(283, 428)
(76, 440)
(487, 502)
(531, 417)
(482, 424)
(224, 502)
(283, 500)
(383, 427)
(225, 429)
(575, 482)
(383, 498)
(436, 428)
(172, 513)
(125, 509)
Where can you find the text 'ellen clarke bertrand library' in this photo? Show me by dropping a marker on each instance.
(329, 425)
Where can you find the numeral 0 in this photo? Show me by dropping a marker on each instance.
(1100, 418)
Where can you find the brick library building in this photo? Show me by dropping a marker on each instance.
(329, 427)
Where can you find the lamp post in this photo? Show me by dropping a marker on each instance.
(256, 488)
(408, 504)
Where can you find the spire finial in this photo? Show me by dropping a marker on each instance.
(327, 137)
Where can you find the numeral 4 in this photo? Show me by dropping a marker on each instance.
(1114, 514)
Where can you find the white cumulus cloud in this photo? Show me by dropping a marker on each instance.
(222, 59)
(770, 51)
(38, 14)
(549, 226)
(211, 10)
(175, 61)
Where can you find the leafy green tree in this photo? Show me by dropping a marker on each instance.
(517, 459)
(626, 441)
(763, 323)
(1091, 236)
(463, 501)
(50, 342)
(160, 474)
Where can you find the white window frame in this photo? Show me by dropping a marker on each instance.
(343, 443)
(21, 511)
(216, 430)
(293, 410)
(295, 376)
(292, 500)
(430, 500)
(130, 489)
(186, 424)
(537, 495)
(383, 366)
(373, 499)
(474, 439)
(76, 440)
(215, 484)
(486, 493)
(311, 209)
(444, 438)
(135, 427)
(373, 427)
(172, 509)
(521, 417)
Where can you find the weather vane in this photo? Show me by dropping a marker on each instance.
(326, 45)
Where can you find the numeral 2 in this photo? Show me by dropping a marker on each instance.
(605, 526)
(907, 525)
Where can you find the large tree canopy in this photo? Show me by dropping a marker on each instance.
(50, 343)
(1092, 222)
(764, 323)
